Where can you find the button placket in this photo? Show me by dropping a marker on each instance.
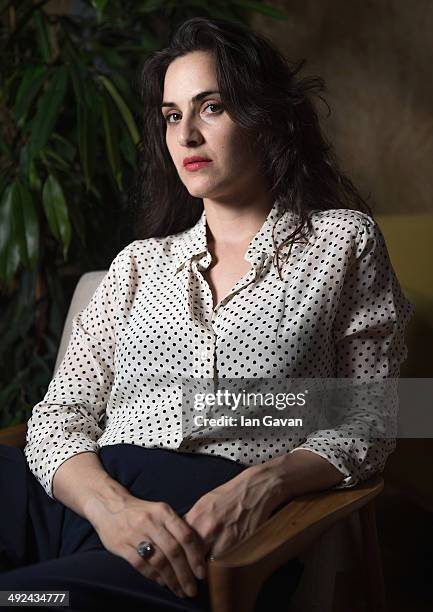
(204, 336)
(204, 351)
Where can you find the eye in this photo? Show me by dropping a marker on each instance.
(214, 104)
(167, 117)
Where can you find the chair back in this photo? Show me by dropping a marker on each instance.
(409, 239)
(84, 290)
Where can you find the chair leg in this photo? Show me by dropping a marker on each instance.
(234, 589)
(376, 599)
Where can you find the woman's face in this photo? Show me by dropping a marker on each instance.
(201, 127)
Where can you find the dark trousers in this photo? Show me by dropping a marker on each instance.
(45, 545)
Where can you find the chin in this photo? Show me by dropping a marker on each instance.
(196, 192)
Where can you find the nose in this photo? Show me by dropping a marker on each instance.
(188, 133)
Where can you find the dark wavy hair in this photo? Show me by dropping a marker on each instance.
(260, 91)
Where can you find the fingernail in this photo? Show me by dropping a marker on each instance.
(200, 572)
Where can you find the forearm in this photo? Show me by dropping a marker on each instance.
(298, 473)
(82, 484)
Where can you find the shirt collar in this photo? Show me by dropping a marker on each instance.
(193, 241)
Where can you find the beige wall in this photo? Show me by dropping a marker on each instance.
(376, 58)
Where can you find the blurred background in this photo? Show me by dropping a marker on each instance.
(69, 139)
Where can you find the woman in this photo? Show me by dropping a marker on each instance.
(235, 173)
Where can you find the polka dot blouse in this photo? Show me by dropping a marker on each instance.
(337, 311)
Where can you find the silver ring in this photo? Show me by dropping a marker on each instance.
(145, 549)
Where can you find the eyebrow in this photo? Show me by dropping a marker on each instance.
(196, 98)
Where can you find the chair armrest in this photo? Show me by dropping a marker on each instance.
(282, 537)
(14, 436)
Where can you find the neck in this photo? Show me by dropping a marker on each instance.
(234, 225)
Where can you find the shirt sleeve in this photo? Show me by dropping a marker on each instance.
(368, 331)
(66, 421)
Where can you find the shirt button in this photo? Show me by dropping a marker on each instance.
(204, 355)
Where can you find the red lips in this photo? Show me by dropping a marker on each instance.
(195, 158)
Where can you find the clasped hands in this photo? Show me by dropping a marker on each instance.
(217, 521)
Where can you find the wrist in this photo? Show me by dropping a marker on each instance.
(275, 485)
(302, 472)
(110, 497)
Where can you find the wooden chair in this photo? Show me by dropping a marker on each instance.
(313, 527)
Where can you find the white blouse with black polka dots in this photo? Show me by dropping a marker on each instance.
(337, 311)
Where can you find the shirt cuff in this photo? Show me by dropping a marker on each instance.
(45, 469)
(339, 460)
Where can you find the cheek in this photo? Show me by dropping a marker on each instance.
(241, 141)
(229, 141)
(169, 142)
(240, 151)
(172, 148)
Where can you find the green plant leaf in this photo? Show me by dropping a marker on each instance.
(50, 188)
(56, 212)
(56, 159)
(48, 110)
(9, 250)
(123, 109)
(34, 180)
(17, 221)
(128, 149)
(111, 141)
(79, 224)
(112, 57)
(22, 21)
(5, 149)
(42, 36)
(63, 147)
(124, 88)
(5, 208)
(87, 119)
(4, 181)
(25, 161)
(78, 78)
(30, 85)
(99, 6)
(26, 224)
(86, 97)
(149, 40)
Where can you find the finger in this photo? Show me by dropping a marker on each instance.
(176, 589)
(161, 565)
(159, 570)
(193, 546)
(178, 563)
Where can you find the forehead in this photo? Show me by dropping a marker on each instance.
(194, 71)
